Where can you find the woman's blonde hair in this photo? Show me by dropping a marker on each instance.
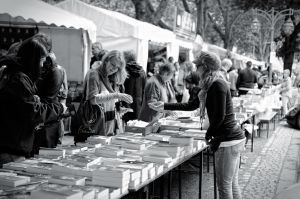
(117, 59)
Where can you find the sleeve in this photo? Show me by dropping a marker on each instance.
(217, 108)
(41, 112)
(152, 92)
(189, 106)
(51, 83)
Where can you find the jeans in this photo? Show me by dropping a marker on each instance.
(227, 167)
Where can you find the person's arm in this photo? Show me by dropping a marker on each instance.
(189, 106)
(22, 88)
(217, 109)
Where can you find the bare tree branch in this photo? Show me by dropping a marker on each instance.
(186, 6)
(217, 28)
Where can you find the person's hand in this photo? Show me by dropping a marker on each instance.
(157, 106)
(65, 108)
(124, 110)
(125, 97)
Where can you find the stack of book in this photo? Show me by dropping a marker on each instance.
(88, 192)
(99, 139)
(52, 191)
(40, 168)
(166, 150)
(69, 169)
(13, 180)
(137, 145)
(52, 152)
(109, 151)
(139, 172)
(67, 180)
(197, 134)
(182, 140)
(114, 193)
(88, 145)
(157, 159)
(157, 137)
(71, 150)
(82, 160)
(111, 177)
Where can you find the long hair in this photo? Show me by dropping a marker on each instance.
(116, 58)
(30, 53)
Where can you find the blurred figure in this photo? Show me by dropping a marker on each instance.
(98, 58)
(96, 48)
(192, 82)
(233, 76)
(171, 60)
(247, 79)
(226, 65)
(158, 88)
(97, 110)
(22, 108)
(285, 90)
(134, 85)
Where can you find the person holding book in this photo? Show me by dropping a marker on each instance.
(157, 88)
(223, 135)
(21, 109)
(97, 110)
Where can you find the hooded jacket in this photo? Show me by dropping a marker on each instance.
(21, 109)
(134, 86)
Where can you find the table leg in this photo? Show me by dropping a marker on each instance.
(169, 184)
(215, 177)
(179, 181)
(200, 173)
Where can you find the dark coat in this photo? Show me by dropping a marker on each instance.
(21, 110)
(48, 89)
(134, 86)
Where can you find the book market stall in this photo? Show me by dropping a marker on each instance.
(107, 167)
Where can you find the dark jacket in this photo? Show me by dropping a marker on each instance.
(134, 86)
(21, 111)
(222, 125)
(48, 88)
(247, 78)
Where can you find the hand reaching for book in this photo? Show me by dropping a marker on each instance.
(157, 106)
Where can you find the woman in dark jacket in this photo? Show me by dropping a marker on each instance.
(224, 135)
(48, 88)
(21, 109)
(134, 85)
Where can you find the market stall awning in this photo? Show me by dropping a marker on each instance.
(114, 24)
(41, 12)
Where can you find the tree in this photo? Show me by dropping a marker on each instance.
(145, 11)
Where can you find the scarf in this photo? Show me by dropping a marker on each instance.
(205, 85)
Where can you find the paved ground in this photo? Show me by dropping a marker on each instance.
(271, 168)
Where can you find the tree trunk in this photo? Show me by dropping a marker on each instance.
(140, 9)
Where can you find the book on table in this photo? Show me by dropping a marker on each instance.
(67, 180)
(56, 192)
(52, 152)
(13, 181)
(83, 160)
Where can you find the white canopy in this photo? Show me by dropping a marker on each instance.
(119, 31)
(41, 12)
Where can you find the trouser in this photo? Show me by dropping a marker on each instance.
(227, 167)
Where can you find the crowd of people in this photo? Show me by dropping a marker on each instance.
(33, 93)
